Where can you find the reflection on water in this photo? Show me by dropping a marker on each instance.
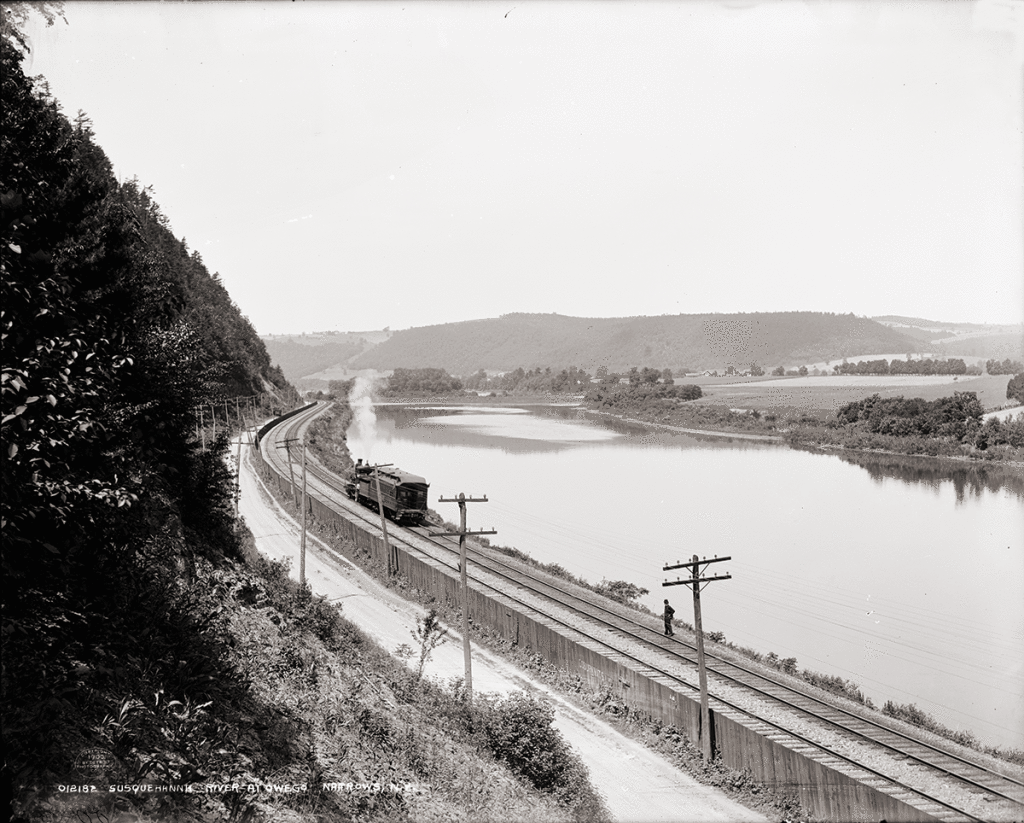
(538, 429)
(842, 561)
(968, 480)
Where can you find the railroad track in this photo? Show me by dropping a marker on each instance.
(984, 784)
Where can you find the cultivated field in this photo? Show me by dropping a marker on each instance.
(816, 395)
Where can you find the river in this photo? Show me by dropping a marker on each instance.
(903, 575)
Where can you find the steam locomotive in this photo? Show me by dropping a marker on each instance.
(404, 495)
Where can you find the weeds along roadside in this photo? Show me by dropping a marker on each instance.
(327, 441)
(666, 740)
(294, 715)
(388, 727)
(513, 735)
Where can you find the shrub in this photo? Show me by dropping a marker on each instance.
(313, 613)
(621, 591)
(1015, 388)
(910, 713)
(518, 731)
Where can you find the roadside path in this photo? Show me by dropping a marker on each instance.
(637, 784)
(1003, 414)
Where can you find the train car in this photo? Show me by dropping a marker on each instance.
(404, 495)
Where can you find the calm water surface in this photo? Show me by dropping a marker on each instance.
(896, 573)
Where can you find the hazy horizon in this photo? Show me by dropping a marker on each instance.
(1018, 324)
(371, 165)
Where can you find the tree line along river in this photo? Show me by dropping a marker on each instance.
(904, 575)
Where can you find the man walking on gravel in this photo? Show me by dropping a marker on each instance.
(669, 611)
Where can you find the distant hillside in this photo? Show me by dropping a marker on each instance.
(998, 346)
(297, 360)
(678, 342)
(899, 321)
(986, 340)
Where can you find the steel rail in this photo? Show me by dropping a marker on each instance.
(328, 479)
(820, 709)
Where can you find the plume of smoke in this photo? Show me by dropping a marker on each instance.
(360, 398)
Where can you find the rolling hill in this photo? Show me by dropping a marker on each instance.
(961, 339)
(679, 342)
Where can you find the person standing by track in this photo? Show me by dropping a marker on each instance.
(669, 612)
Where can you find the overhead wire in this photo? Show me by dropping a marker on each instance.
(796, 588)
(805, 599)
(795, 591)
(923, 657)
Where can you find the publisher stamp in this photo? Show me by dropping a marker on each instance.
(95, 762)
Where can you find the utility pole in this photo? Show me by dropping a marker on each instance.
(392, 555)
(286, 444)
(697, 578)
(302, 548)
(238, 478)
(392, 561)
(462, 500)
(250, 406)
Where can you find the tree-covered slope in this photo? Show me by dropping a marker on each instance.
(113, 334)
(147, 651)
(672, 341)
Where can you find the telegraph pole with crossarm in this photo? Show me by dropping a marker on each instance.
(392, 558)
(286, 445)
(697, 580)
(462, 500)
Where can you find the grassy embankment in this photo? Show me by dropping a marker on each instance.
(327, 439)
(255, 687)
(211, 687)
(665, 739)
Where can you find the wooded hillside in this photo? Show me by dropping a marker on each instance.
(149, 653)
(678, 342)
(115, 506)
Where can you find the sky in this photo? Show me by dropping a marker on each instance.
(356, 166)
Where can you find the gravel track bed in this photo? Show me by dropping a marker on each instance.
(897, 767)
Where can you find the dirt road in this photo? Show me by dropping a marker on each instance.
(637, 784)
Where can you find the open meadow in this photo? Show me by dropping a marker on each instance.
(818, 396)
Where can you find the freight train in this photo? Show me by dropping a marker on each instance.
(404, 495)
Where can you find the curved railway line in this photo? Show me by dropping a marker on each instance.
(729, 681)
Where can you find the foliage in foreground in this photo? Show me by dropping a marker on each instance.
(519, 731)
(543, 761)
(260, 687)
